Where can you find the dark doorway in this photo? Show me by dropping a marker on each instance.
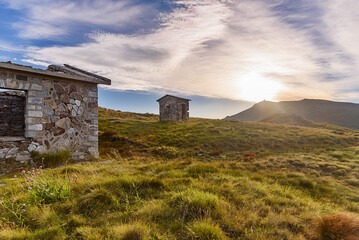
(184, 112)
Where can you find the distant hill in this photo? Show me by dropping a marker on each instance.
(337, 113)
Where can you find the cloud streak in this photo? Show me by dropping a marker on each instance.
(211, 47)
(51, 19)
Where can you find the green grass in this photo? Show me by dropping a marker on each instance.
(205, 179)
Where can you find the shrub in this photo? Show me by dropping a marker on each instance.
(134, 231)
(192, 204)
(205, 230)
(339, 226)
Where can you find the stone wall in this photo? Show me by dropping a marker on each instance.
(12, 114)
(174, 109)
(58, 114)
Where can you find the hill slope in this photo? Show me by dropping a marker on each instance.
(291, 119)
(204, 179)
(337, 113)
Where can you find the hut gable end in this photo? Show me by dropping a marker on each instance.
(57, 110)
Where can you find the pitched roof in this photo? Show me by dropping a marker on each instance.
(65, 71)
(186, 99)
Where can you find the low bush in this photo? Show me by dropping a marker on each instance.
(339, 226)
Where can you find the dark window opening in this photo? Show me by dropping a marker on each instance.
(12, 113)
(21, 77)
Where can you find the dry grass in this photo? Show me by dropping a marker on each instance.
(339, 226)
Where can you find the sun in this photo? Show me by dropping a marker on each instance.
(254, 88)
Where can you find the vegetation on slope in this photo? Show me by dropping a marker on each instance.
(205, 179)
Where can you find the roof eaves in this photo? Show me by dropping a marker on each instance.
(29, 69)
(167, 95)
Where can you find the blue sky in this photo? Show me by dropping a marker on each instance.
(223, 54)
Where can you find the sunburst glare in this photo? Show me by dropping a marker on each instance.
(254, 87)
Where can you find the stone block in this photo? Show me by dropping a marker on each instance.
(12, 153)
(36, 87)
(35, 127)
(63, 123)
(35, 113)
(36, 100)
(3, 152)
(92, 94)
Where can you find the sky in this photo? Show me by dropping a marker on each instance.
(223, 54)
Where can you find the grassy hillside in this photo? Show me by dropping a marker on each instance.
(205, 179)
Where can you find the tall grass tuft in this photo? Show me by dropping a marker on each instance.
(339, 226)
(191, 204)
(97, 201)
(134, 231)
(52, 158)
(205, 230)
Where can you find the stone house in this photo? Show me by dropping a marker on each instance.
(174, 108)
(47, 110)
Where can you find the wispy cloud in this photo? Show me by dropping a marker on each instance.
(211, 48)
(50, 18)
(35, 62)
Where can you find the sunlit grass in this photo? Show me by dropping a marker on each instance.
(186, 181)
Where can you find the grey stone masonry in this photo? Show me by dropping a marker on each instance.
(60, 111)
(175, 109)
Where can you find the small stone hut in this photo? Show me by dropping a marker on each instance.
(49, 109)
(174, 108)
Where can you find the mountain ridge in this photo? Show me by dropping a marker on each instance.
(344, 114)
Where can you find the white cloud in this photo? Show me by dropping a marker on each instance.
(208, 47)
(341, 18)
(51, 18)
(35, 62)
